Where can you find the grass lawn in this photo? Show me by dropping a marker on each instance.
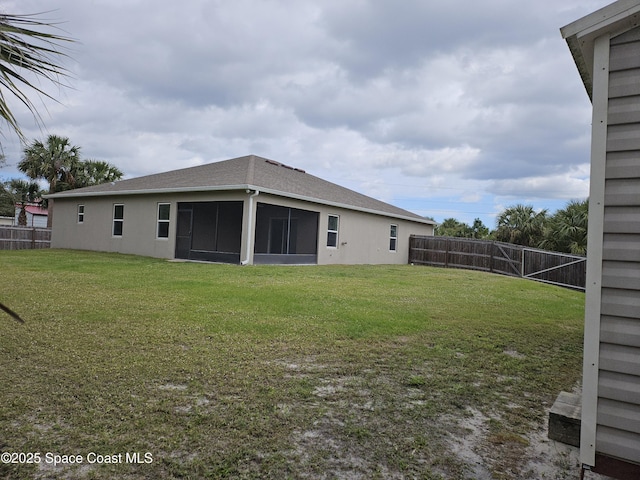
(220, 371)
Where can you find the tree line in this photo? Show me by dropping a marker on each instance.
(57, 162)
(563, 231)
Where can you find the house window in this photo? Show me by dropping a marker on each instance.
(164, 209)
(80, 213)
(118, 220)
(332, 231)
(393, 238)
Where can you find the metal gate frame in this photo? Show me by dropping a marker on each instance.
(576, 259)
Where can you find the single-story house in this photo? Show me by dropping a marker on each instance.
(247, 210)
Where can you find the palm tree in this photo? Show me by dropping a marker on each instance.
(479, 229)
(24, 193)
(520, 224)
(451, 227)
(55, 161)
(27, 51)
(567, 229)
(94, 172)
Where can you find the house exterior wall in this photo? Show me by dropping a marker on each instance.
(95, 232)
(611, 398)
(139, 226)
(363, 238)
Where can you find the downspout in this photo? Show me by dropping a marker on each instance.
(249, 225)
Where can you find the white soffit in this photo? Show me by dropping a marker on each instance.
(580, 35)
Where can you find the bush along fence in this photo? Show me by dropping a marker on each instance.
(497, 257)
(24, 238)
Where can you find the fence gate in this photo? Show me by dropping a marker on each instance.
(498, 257)
(556, 268)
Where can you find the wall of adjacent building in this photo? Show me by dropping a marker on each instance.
(618, 431)
(611, 380)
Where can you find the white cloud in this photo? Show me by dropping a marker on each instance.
(466, 105)
(570, 185)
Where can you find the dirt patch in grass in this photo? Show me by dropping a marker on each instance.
(466, 444)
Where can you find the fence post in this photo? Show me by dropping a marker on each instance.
(411, 247)
(446, 253)
(493, 247)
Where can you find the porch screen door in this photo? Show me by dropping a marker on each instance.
(183, 233)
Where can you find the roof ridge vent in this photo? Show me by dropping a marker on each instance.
(278, 164)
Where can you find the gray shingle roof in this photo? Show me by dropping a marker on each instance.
(249, 172)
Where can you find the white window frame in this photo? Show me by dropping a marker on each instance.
(162, 221)
(393, 237)
(330, 231)
(116, 221)
(80, 213)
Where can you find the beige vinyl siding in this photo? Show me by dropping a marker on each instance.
(618, 419)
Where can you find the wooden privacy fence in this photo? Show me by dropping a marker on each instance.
(24, 238)
(498, 257)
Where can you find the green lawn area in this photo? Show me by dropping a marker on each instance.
(220, 371)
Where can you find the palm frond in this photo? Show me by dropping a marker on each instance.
(11, 313)
(26, 51)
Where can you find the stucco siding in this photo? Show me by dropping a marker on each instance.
(96, 230)
(363, 238)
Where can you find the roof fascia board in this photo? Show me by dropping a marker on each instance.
(78, 194)
(601, 19)
(580, 35)
(219, 188)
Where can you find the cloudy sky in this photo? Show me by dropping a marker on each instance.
(456, 108)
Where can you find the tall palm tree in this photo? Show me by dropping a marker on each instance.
(55, 161)
(27, 52)
(24, 193)
(522, 225)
